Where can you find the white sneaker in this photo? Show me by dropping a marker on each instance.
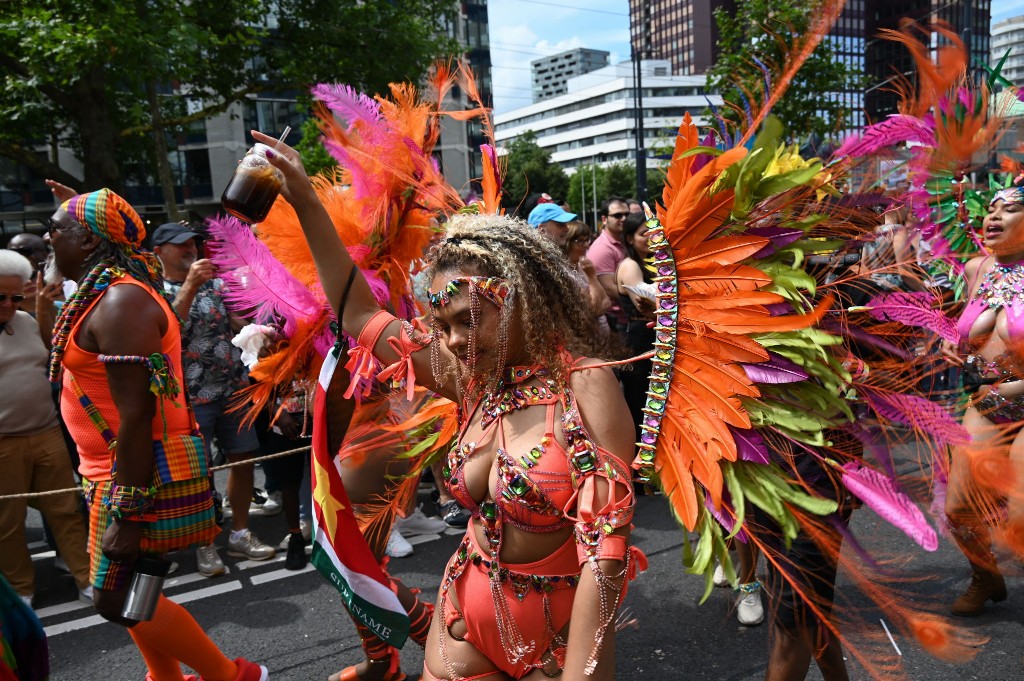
(27, 600)
(272, 506)
(749, 610)
(209, 562)
(398, 546)
(418, 523)
(85, 595)
(720, 579)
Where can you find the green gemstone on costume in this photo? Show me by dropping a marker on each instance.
(585, 462)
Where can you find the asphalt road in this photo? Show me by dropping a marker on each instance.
(295, 625)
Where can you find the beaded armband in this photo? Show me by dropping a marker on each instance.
(162, 381)
(129, 503)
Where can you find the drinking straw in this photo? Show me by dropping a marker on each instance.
(287, 129)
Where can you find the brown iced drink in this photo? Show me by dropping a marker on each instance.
(253, 189)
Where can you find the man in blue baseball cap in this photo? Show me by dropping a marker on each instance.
(552, 221)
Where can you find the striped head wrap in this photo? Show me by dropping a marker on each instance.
(110, 217)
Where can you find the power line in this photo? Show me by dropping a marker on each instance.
(576, 7)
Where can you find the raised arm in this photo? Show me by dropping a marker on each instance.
(334, 266)
(607, 420)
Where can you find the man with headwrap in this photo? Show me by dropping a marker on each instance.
(117, 352)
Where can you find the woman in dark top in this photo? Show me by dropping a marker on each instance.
(633, 272)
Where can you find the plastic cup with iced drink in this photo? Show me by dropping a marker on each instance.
(254, 187)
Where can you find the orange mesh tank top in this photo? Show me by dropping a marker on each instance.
(91, 377)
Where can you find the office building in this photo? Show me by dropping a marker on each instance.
(1008, 35)
(550, 74)
(682, 31)
(594, 121)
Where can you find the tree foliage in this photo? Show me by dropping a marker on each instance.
(529, 170)
(592, 184)
(81, 72)
(753, 44)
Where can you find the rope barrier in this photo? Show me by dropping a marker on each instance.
(31, 495)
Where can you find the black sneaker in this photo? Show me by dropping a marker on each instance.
(259, 497)
(296, 557)
(454, 515)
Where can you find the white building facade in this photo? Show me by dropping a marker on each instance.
(595, 121)
(1009, 35)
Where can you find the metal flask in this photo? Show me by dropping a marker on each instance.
(147, 583)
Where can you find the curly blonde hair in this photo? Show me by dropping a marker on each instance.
(547, 298)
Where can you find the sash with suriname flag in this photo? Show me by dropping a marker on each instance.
(340, 552)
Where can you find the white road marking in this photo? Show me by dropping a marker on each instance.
(190, 578)
(250, 564)
(422, 538)
(43, 555)
(73, 625)
(62, 608)
(199, 594)
(279, 574)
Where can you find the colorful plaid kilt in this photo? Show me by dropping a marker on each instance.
(182, 517)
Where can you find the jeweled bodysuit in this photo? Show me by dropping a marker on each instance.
(542, 488)
(1001, 289)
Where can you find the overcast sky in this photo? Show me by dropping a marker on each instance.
(524, 30)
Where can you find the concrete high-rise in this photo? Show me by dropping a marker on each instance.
(550, 74)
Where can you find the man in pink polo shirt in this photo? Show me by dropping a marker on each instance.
(608, 251)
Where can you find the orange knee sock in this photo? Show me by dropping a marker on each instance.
(177, 636)
(160, 666)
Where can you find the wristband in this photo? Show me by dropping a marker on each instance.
(127, 503)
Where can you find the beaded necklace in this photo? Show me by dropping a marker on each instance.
(95, 283)
(511, 396)
(1003, 285)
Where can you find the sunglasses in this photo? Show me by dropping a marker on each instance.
(618, 216)
(16, 299)
(52, 227)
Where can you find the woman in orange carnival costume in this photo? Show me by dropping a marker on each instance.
(540, 459)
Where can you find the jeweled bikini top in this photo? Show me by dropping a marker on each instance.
(534, 486)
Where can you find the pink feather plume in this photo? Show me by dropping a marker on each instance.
(884, 134)
(256, 281)
(881, 495)
(913, 308)
(918, 413)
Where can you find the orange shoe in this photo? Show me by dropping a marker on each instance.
(350, 674)
(188, 677)
(250, 671)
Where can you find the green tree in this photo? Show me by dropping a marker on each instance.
(761, 32)
(93, 74)
(590, 185)
(529, 170)
(315, 158)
